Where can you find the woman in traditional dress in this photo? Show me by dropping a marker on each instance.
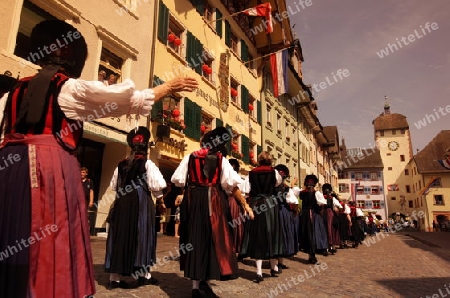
(237, 213)
(131, 243)
(288, 211)
(313, 234)
(330, 218)
(263, 237)
(204, 216)
(42, 195)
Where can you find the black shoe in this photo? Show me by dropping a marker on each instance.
(325, 253)
(258, 278)
(240, 258)
(274, 273)
(196, 293)
(147, 281)
(116, 284)
(280, 269)
(282, 266)
(206, 288)
(313, 260)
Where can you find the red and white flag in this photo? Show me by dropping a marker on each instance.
(279, 69)
(262, 10)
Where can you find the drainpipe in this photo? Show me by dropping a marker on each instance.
(152, 56)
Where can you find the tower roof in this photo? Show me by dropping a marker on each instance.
(390, 121)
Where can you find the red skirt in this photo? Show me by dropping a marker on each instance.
(42, 208)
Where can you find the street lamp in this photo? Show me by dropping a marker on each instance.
(169, 104)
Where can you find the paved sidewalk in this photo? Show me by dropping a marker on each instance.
(405, 264)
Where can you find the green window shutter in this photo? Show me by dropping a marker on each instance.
(228, 146)
(244, 51)
(219, 23)
(197, 121)
(189, 118)
(189, 48)
(219, 122)
(157, 107)
(227, 34)
(245, 145)
(259, 112)
(200, 7)
(244, 98)
(163, 22)
(198, 56)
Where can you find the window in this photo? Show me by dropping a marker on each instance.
(368, 204)
(343, 187)
(360, 189)
(373, 176)
(394, 132)
(382, 133)
(269, 115)
(111, 64)
(236, 145)
(406, 172)
(252, 106)
(209, 12)
(278, 123)
(234, 87)
(402, 157)
(206, 123)
(253, 153)
(408, 188)
(389, 168)
(360, 204)
(234, 42)
(402, 131)
(388, 154)
(175, 36)
(30, 16)
(411, 204)
(341, 174)
(393, 198)
(375, 190)
(358, 176)
(376, 204)
(367, 189)
(207, 65)
(439, 200)
(170, 31)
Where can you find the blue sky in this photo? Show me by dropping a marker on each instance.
(347, 34)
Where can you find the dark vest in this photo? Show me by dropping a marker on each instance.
(196, 176)
(53, 121)
(262, 181)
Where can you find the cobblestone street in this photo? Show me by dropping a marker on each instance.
(406, 264)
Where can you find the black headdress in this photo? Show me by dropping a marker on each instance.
(282, 170)
(55, 45)
(311, 180)
(327, 188)
(215, 141)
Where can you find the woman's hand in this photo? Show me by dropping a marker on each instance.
(182, 84)
(175, 85)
